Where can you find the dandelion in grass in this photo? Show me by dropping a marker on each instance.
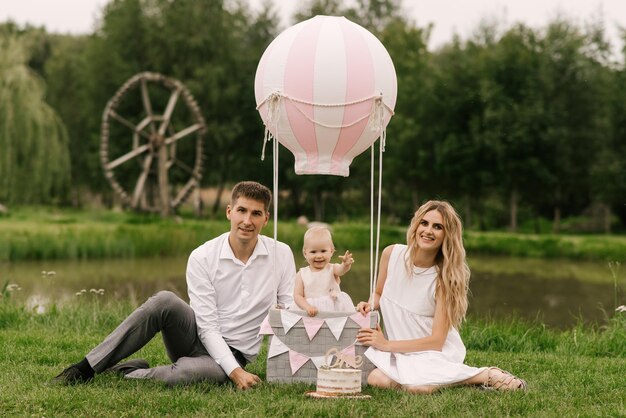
(49, 274)
(13, 288)
(621, 308)
(8, 289)
(81, 292)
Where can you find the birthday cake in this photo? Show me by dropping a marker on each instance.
(333, 381)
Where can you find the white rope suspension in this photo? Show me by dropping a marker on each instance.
(275, 187)
(378, 117)
(375, 117)
(273, 116)
(376, 123)
(372, 255)
(275, 202)
(380, 199)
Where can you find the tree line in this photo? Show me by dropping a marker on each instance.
(519, 127)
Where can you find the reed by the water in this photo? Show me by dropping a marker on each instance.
(37, 234)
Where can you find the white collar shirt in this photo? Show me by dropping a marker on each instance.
(231, 298)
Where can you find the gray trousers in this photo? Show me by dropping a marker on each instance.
(164, 312)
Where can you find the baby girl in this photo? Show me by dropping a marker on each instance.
(317, 286)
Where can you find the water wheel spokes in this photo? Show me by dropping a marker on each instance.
(126, 157)
(163, 116)
(179, 135)
(141, 181)
(167, 115)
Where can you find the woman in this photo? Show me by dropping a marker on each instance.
(422, 293)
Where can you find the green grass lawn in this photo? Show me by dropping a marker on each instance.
(575, 372)
(579, 372)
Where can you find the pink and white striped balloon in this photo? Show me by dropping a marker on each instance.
(325, 88)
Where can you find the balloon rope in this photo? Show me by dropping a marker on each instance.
(273, 115)
(377, 108)
(377, 115)
(272, 96)
(371, 223)
(380, 194)
(275, 198)
(267, 137)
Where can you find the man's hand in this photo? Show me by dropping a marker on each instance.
(243, 379)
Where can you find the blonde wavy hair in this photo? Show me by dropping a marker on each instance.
(453, 273)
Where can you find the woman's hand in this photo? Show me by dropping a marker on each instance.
(363, 307)
(373, 338)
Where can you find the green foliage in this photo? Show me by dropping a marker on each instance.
(37, 234)
(513, 125)
(94, 237)
(31, 234)
(548, 246)
(608, 340)
(514, 335)
(34, 159)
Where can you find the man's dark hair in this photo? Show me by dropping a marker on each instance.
(252, 190)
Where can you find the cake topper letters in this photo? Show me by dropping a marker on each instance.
(342, 359)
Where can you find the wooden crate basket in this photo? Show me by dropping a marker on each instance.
(297, 340)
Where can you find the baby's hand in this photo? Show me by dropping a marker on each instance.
(311, 311)
(346, 259)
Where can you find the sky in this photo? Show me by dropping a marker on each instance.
(447, 16)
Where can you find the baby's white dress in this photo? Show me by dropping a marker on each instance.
(408, 307)
(322, 290)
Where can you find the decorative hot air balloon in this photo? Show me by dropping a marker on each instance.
(326, 89)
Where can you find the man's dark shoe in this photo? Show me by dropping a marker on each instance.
(128, 366)
(71, 376)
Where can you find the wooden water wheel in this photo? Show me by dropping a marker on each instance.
(156, 165)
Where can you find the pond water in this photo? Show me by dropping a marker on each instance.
(559, 293)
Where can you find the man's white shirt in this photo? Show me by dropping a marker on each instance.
(231, 298)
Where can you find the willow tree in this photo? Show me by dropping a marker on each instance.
(34, 157)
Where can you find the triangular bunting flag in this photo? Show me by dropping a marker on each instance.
(336, 325)
(349, 351)
(312, 325)
(276, 347)
(350, 357)
(319, 361)
(296, 360)
(362, 321)
(266, 328)
(288, 319)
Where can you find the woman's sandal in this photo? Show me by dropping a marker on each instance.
(503, 380)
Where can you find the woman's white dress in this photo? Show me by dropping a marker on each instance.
(408, 307)
(322, 290)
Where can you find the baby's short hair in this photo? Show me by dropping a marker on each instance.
(317, 230)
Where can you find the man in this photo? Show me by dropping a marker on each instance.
(232, 282)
